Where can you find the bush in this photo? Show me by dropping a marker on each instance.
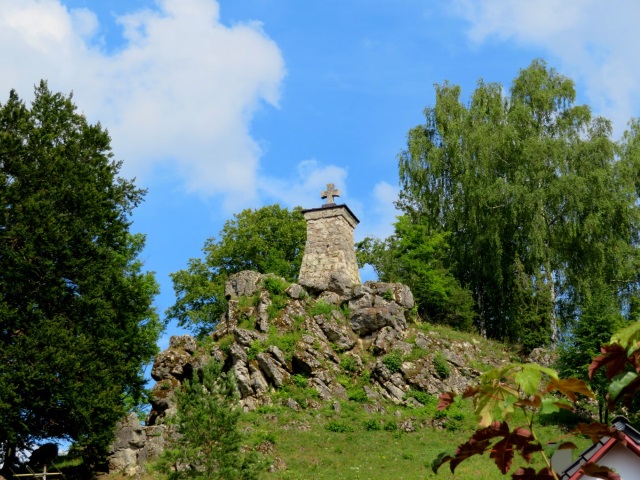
(441, 365)
(357, 394)
(391, 426)
(393, 361)
(274, 285)
(349, 364)
(371, 425)
(424, 398)
(299, 380)
(338, 427)
(321, 308)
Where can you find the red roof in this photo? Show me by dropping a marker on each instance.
(599, 449)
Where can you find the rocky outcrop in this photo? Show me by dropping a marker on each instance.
(135, 445)
(269, 339)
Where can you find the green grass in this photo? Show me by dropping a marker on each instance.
(353, 444)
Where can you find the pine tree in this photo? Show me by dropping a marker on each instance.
(207, 442)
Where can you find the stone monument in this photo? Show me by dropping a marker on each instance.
(329, 261)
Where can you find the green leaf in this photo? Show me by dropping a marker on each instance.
(628, 337)
(620, 382)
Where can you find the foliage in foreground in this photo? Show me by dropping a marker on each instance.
(267, 240)
(77, 318)
(208, 442)
(514, 387)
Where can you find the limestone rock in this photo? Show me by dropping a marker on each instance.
(365, 321)
(171, 363)
(384, 341)
(243, 379)
(258, 382)
(296, 291)
(365, 300)
(246, 337)
(271, 370)
(263, 311)
(306, 361)
(543, 356)
(237, 354)
(341, 283)
(335, 330)
(330, 298)
(185, 342)
(292, 404)
(245, 283)
(277, 354)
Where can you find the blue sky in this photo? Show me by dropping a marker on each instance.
(217, 106)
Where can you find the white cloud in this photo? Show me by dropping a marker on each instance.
(596, 43)
(382, 213)
(304, 187)
(183, 88)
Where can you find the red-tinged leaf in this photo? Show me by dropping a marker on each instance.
(596, 430)
(533, 401)
(502, 453)
(504, 450)
(446, 399)
(440, 460)
(496, 429)
(468, 449)
(615, 358)
(530, 474)
(470, 392)
(599, 471)
(569, 387)
(529, 449)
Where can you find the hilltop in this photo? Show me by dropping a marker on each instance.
(315, 370)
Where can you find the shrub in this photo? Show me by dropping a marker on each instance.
(441, 365)
(225, 343)
(275, 285)
(371, 425)
(357, 394)
(338, 427)
(214, 452)
(321, 308)
(349, 364)
(388, 295)
(393, 361)
(423, 397)
(299, 380)
(391, 426)
(255, 348)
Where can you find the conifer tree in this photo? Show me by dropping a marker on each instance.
(76, 318)
(207, 444)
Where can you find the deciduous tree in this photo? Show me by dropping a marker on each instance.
(268, 240)
(419, 260)
(541, 205)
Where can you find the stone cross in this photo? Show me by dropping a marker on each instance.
(329, 193)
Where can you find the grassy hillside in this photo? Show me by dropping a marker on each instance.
(305, 438)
